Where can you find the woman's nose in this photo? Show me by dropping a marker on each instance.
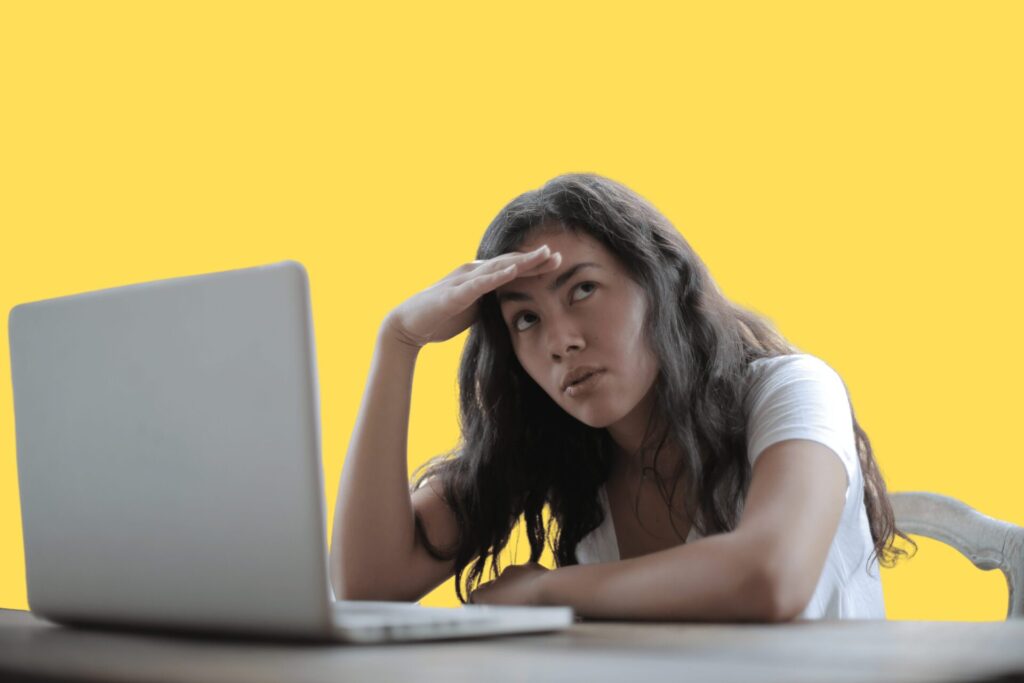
(564, 337)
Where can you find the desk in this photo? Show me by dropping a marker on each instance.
(815, 652)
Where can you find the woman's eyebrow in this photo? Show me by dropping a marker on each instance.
(559, 281)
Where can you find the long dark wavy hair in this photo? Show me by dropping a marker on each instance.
(520, 451)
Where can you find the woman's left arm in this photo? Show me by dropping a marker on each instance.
(764, 570)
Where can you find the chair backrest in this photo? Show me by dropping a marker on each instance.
(987, 542)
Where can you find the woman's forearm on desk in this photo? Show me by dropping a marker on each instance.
(716, 578)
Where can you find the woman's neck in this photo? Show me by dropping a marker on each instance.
(657, 454)
(638, 437)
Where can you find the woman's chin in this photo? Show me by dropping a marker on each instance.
(596, 418)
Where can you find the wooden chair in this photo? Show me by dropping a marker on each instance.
(988, 543)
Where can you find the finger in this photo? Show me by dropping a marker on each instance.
(467, 290)
(516, 255)
(520, 259)
(475, 287)
(501, 262)
(465, 294)
(548, 264)
(528, 268)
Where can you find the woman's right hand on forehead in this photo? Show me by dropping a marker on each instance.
(445, 309)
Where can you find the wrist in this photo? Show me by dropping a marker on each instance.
(547, 589)
(391, 335)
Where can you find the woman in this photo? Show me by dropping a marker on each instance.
(696, 466)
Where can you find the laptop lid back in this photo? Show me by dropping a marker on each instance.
(168, 446)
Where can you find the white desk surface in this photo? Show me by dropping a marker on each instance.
(32, 649)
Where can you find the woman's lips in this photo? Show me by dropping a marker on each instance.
(586, 385)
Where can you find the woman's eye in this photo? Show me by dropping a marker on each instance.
(584, 284)
(520, 319)
(518, 322)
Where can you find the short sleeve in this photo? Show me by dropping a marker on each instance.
(799, 396)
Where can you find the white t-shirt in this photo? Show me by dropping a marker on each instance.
(798, 396)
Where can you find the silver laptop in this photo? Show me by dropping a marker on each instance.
(168, 439)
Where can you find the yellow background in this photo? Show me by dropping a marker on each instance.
(850, 170)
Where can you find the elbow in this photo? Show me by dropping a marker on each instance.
(355, 583)
(343, 584)
(346, 589)
(336, 579)
(776, 585)
(343, 591)
(777, 594)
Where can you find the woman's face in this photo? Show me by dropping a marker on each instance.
(585, 314)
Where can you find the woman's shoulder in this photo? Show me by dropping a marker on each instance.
(768, 375)
(800, 396)
(790, 364)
